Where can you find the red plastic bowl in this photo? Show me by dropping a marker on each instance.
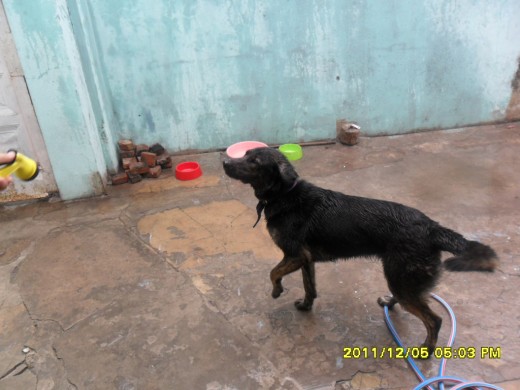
(188, 170)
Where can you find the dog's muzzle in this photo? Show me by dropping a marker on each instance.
(229, 168)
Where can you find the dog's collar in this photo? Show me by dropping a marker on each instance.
(259, 208)
(262, 203)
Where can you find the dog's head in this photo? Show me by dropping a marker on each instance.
(266, 169)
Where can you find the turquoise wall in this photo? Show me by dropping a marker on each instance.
(202, 74)
(55, 78)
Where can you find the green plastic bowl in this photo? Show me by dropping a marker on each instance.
(291, 151)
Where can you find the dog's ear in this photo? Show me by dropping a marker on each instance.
(287, 172)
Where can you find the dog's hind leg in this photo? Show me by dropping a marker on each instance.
(286, 266)
(431, 321)
(411, 272)
(309, 284)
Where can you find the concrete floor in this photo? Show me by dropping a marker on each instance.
(165, 285)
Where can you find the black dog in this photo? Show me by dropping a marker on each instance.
(312, 224)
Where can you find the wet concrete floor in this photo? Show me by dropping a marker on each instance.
(165, 284)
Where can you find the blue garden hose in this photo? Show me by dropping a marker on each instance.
(441, 378)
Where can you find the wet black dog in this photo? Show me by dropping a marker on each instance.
(312, 224)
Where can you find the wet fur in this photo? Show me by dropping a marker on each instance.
(311, 224)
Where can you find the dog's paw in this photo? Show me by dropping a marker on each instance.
(277, 291)
(387, 300)
(303, 305)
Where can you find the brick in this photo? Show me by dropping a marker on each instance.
(127, 161)
(155, 172)
(161, 159)
(138, 167)
(119, 178)
(134, 166)
(167, 165)
(126, 153)
(149, 159)
(141, 148)
(134, 177)
(126, 144)
(157, 149)
(165, 161)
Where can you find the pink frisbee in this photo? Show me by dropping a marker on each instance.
(239, 149)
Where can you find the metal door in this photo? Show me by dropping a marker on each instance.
(19, 127)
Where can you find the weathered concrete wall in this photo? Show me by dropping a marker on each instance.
(202, 74)
(54, 73)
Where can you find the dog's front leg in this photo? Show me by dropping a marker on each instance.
(286, 266)
(309, 285)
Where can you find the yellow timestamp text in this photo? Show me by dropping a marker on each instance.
(421, 353)
(468, 352)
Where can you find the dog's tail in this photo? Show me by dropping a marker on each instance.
(469, 255)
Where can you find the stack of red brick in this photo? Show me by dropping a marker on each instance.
(140, 161)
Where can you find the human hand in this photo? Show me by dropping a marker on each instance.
(6, 158)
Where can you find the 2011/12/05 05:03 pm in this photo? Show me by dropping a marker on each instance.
(421, 352)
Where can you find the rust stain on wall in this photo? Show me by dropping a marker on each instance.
(513, 109)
